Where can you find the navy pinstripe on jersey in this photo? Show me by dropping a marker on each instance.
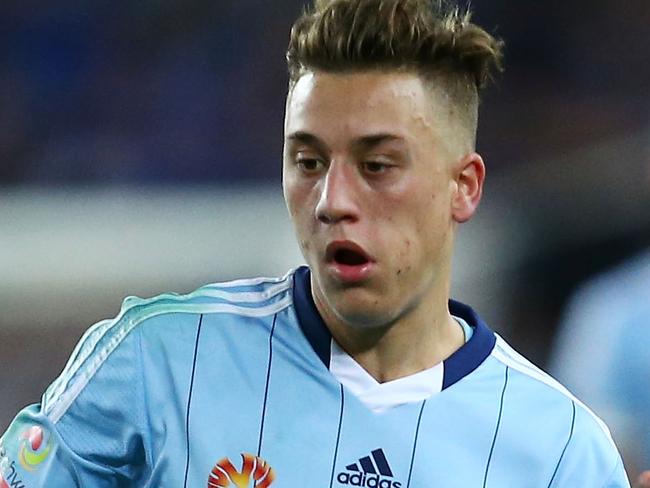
(230, 386)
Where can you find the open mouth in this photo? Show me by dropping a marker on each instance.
(347, 254)
(349, 257)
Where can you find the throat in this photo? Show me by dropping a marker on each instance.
(382, 396)
(397, 352)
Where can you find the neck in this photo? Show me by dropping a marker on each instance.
(416, 341)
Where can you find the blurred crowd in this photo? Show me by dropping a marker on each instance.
(148, 91)
(167, 91)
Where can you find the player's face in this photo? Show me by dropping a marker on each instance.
(369, 182)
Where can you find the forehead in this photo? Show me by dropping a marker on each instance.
(354, 103)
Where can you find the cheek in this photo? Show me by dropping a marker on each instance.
(305, 246)
(296, 199)
(434, 213)
(301, 214)
(423, 234)
(404, 257)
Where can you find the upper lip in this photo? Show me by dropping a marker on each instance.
(335, 246)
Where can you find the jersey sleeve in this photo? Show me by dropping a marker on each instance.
(618, 477)
(88, 429)
(590, 457)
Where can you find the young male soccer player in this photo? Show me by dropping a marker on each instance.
(356, 370)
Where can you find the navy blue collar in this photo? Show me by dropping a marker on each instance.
(457, 366)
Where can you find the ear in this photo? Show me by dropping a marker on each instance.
(470, 175)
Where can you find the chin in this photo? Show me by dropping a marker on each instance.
(362, 314)
(362, 319)
(359, 306)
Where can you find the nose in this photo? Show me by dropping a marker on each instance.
(338, 195)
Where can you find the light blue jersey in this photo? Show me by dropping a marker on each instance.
(230, 386)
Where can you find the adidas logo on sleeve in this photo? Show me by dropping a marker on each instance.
(370, 472)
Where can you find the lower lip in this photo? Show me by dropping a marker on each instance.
(347, 273)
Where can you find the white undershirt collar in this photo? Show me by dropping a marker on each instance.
(380, 397)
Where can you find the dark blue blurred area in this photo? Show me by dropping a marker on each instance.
(184, 92)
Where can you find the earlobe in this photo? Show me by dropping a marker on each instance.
(470, 176)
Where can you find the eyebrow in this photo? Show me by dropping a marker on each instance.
(363, 142)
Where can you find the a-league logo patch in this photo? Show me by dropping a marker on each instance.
(35, 447)
(254, 469)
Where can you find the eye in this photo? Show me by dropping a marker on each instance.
(375, 167)
(309, 165)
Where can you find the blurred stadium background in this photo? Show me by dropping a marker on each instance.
(140, 152)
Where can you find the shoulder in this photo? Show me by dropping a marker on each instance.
(250, 297)
(554, 408)
(116, 342)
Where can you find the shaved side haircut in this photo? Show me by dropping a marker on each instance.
(434, 39)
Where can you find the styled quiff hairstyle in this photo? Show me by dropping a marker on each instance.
(430, 37)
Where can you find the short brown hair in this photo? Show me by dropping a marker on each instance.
(340, 35)
(430, 37)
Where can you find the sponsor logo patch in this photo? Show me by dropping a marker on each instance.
(254, 469)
